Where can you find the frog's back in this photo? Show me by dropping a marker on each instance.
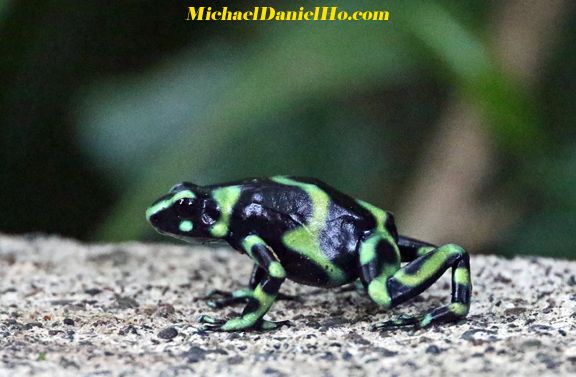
(308, 224)
(298, 201)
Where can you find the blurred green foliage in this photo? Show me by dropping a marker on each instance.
(104, 110)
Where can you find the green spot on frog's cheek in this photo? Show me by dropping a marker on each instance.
(186, 226)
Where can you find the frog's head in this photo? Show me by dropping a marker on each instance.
(186, 212)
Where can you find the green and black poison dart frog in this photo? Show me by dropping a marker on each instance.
(306, 231)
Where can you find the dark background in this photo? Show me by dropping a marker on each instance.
(458, 116)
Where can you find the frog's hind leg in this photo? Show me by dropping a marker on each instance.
(411, 248)
(391, 289)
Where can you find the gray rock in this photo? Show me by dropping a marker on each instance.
(522, 321)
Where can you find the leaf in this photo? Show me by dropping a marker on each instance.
(473, 68)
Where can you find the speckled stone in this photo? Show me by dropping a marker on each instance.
(169, 332)
(121, 297)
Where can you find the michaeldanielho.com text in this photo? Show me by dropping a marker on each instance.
(272, 14)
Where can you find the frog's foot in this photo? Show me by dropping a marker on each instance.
(448, 313)
(245, 323)
(238, 296)
(357, 287)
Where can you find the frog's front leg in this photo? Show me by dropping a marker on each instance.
(221, 299)
(263, 295)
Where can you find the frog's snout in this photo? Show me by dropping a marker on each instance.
(153, 218)
(153, 212)
(150, 216)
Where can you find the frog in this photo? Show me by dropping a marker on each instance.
(306, 231)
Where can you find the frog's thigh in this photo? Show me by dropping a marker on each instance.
(379, 260)
(411, 248)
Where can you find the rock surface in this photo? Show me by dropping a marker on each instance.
(69, 309)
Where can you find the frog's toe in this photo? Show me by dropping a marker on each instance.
(210, 328)
(286, 297)
(219, 304)
(400, 322)
(239, 324)
(218, 299)
(212, 324)
(209, 320)
(265, 325)
(217, 293)
(226, 298)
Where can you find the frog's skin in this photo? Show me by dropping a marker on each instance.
(306, 231)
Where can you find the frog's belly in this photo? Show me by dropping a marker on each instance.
(320, 271)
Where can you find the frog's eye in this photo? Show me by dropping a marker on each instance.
(184, 207)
